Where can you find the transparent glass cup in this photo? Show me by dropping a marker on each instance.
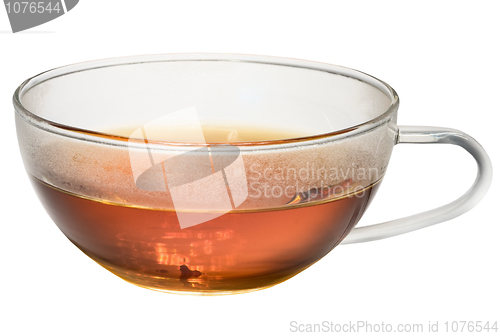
(189, 215)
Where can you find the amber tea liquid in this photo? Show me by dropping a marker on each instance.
(239, 251)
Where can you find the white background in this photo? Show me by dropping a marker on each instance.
(443, 60)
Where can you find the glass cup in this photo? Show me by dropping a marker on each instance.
(118, 151)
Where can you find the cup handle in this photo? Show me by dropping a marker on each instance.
(432, 135)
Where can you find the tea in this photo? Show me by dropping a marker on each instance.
(213, 133)
(241, 250)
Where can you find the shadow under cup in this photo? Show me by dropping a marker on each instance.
(197, 217)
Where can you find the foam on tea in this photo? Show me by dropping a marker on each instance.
(273, 173)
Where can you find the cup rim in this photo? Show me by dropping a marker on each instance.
(105, 138)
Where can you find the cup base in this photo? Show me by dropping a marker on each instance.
(192, 286)
(198, 286)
